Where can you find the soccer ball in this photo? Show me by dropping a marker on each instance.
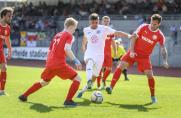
(97, 97)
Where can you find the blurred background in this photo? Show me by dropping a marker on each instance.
(36, 21)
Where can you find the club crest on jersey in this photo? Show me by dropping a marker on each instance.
(94, 39)
(98, 31)
(154, 37)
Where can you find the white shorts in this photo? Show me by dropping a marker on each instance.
(98, 62)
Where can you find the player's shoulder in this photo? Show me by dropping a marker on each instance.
(103, 26)
(8, 27)
(65, 33)
(144, 25)
(87, 28)
(161, 33)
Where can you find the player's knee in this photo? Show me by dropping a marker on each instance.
(3, 68)
(77, 78)
(149, 73)
(122, 65)
(90, 64)
(150, 76)
(43, 83)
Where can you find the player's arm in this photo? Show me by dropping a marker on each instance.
(122, 34)
(84, 43)
(114, 48)
(8, 44)
(71, 55)
(164, 56)
(132, 45)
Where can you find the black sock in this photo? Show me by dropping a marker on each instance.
(125, 73)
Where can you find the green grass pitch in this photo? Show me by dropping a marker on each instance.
(130, 99)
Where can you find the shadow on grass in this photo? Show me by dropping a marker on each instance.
(141, 108)
(42, 108)
(86, 102)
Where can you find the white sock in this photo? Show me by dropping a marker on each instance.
(89, 70)
(84, 89)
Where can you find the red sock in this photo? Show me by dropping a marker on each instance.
(2, 80)
(116, 77)
(36, 86)
(106, 74)
(73, 89)
(99, 79)
(151, 83)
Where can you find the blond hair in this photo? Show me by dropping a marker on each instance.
(106, 17)
(70, 22)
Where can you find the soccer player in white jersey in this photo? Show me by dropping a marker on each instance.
(93, 47)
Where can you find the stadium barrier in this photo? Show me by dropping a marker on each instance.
(37, 53)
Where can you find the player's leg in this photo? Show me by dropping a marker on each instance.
(72, 91)
(89, 72)
(99, 79)
(125, 73)
(106, 74)
(95, 73)
(46, 76)
(3, 78)
(67, 72)
(108, 67)
(151, 84)
(144, 65)
(86, 87)
(117, 75)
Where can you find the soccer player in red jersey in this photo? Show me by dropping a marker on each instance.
(143, 41)
(107, 64)
(56, 65)
(6, 16)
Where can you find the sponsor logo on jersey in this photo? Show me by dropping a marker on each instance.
(147, 40)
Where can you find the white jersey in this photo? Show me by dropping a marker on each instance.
(95, 46)
(96, 39)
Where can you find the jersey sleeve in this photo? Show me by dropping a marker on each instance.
(84, 32)
(139, 30)
(7, 31)
(69, 38)
(109, 30)
(162, 39)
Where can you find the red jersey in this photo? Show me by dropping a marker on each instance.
(4, 33)
(147, 40)
(56, 55)
(108, 42)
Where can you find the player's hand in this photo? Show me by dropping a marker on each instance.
(132, 54)
(165, 64)
(83, 49)
(9, 54)
(77, 64)
(79, 67)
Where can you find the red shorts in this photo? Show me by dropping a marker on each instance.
(143, 63)
(65, 72)
(2, 57)
(107, 61)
